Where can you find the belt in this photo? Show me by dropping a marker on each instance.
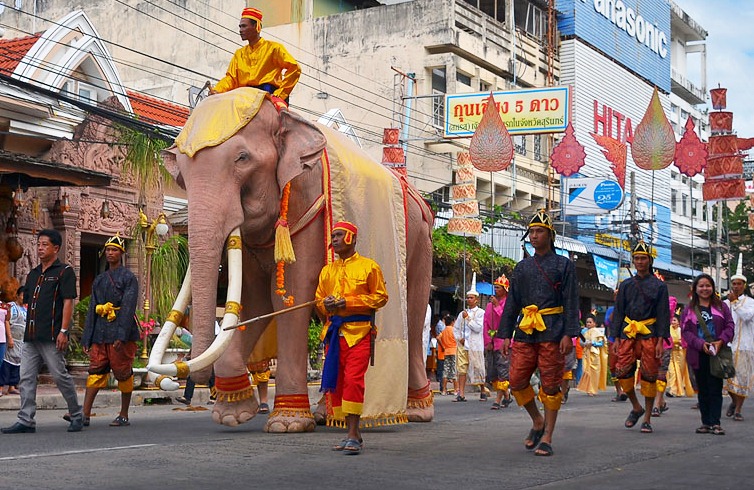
(107, 311)
(637, 326)
(533, 318)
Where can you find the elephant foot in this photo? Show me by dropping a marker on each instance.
(421, 414)
(420, 405)
(291, 413)
(234, 413)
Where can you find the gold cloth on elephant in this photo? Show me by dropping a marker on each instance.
(219, 117)
(356, 182)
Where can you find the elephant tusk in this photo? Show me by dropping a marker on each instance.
(230, 318)
(166, 333)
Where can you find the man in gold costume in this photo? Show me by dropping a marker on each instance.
(261, 64)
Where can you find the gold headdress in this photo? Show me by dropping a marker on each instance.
(117, 242)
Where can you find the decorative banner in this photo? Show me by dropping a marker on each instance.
(690, 152)
(568, 156)
(751, 221)
(724, 190)
(491, 147)
(653, 147)
(465, 226)
(718, 96)
(725, 144)
(720, 122)
(725, 167)
(745, 143)
(466, 207)
(538, 110)
(616, 153)
(607, 271)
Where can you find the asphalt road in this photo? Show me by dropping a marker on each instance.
(468, 445)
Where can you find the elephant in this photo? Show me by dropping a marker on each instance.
(236, 182)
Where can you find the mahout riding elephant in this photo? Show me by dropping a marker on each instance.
(234, 158)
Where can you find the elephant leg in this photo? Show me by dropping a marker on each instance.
(420, 404)
(291, 409)
(235, 402)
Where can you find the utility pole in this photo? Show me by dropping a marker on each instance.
(719, 244)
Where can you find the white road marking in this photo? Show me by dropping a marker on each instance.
(82, 451)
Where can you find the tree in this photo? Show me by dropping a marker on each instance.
(450, 252)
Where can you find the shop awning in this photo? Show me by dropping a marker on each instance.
(681, 270)
(19, 170)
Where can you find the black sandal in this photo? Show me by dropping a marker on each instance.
(731, 410)
(738, 417)
(534, 437)
(544, 449)
(646, 428)
(633, 417)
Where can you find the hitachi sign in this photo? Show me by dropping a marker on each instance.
(626, 19)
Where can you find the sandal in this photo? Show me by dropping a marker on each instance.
(460, 398)
(495, 406)
(544, 449)
(264, 408)
(534, 437)
(731, 410)
(633, 417)
(120, 422)
(738, 417)
(505, 403)
(702, 430)
(342, 444)
(717, 430)
(646, 428)
(664, 408)
(87, 420)
(656, 412)
(352, 447)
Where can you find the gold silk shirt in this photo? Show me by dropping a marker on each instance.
(259, 64)
(359, 281)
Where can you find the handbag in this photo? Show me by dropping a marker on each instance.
(720, 365)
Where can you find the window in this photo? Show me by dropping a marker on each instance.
(493, 8)
(530, 19)
(464, 79)
(439, 88)
(674, 200)
(684, 202)
(484, 86)
(694, 206)
(519, 143)
(538, 148)
(79, 90)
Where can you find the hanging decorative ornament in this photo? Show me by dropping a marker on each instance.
(690, 152)
(616, 153)
(568, 156)
(491, 147)
(653, 147)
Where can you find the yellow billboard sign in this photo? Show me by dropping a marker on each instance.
(536, 110)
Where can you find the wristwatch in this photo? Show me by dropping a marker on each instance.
(63, 331)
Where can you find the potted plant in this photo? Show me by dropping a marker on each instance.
(75, 355)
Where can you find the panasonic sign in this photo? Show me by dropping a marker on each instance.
(634, 25)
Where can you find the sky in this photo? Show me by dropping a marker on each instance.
(730, 54)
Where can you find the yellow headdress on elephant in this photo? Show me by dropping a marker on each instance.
(219, 117)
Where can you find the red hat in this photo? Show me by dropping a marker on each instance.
(502, 281)
(253, 14)
(349, 228)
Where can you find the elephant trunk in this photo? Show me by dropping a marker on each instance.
(206, 240)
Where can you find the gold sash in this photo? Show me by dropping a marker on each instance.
(533, 318)
(639, 326)
(107, 311)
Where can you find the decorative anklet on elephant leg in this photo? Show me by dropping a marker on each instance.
(420, 398)
(292, 406)
(233, 389)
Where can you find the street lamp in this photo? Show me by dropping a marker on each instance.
(150, 230)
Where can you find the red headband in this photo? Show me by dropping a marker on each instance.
(349, 228)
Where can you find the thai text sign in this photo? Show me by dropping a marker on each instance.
(538, 110)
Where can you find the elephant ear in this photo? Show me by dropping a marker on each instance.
(171, 165)
(300, 146)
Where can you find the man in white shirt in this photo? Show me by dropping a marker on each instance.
(468, 331)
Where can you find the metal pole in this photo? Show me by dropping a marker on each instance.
(718, 232)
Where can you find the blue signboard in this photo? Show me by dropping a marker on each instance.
(635, 33)
(608, 194)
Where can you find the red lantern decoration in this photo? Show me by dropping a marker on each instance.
(568, 156)
(690, 152)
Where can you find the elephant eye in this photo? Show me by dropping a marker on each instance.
(243, 155)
